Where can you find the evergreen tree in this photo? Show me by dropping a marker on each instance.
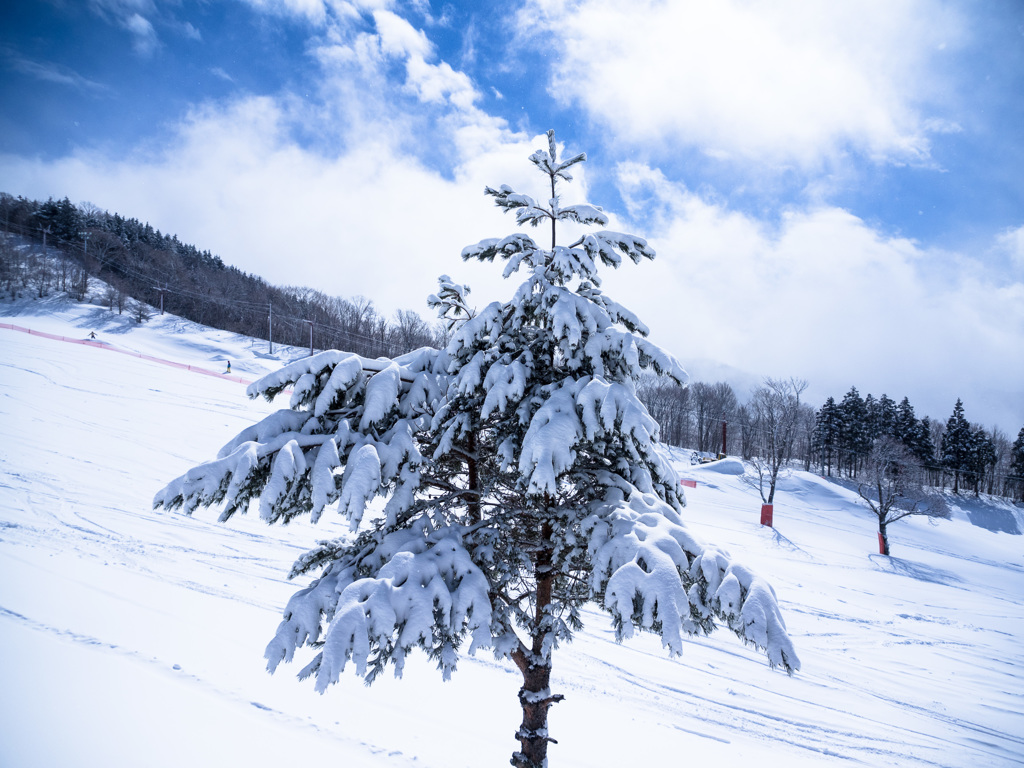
(922, 445)
(957, 445)
(521, 475)
(871, 416)
(62, 219)
(885, 417)
(914, 434)
(982, 456)
(1017, 464)
(905, 424)
(854, 438)
(827, 428)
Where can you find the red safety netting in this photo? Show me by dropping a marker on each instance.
(104, 345)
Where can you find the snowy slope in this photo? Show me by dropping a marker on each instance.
(132, 637)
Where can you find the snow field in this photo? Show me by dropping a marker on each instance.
(134, 637)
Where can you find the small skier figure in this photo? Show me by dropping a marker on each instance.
(229, 367)
(92, 334)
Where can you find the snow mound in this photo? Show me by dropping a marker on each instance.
(726, 466)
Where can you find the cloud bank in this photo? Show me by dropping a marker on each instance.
(822, 295)
(368, 182)
(776, 83)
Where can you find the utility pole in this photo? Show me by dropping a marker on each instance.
(158, 288)
(310, 336)
(724, 451)
(45, 232)
(85, 243)
(270, 331)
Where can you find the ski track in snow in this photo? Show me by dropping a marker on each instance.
(206, 686)
(910, 660)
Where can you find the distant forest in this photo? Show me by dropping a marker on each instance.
(839, 438)
(144, 268)
(143, 265)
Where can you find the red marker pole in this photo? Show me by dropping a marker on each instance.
(766, 515)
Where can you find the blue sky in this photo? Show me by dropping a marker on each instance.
(834, 189)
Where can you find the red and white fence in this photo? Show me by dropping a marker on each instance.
(111, 348)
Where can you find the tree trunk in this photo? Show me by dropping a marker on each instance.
(883, 538)
(473, 484)
(773, 479)
(535, 698)
(535, 664)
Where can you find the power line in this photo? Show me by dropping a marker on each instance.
(297, 321)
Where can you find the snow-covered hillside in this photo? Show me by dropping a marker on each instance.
(132, 637)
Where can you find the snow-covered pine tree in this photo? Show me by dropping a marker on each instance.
(854, 439)
(924, 446)
(956, 444)
(521, 473)
(981, 456)
(905, 424)
(1017, 465)
(871, 420)
(827, 429)
(882, 417)
(914, 434)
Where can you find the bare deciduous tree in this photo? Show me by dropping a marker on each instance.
(776, 410)
(712, 404)
(671, 406)
(409, 331)
(893, 487)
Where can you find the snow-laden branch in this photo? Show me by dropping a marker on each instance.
(652, 574)
(606, 247)
(347, 438)
(450, 303)
(515, 247)
(547, 161)
(424, 591)
(583, 214)
(526, 209)
(596, 411)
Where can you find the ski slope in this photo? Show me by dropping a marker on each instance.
(131, 637)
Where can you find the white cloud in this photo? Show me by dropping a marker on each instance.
(1011, 242)
(369, 221)
(314, 11)
(776, 82)
(318, 12)
(131, 15)
(356, 62)
(822, 295)
(144, 39)
(431, 82)
(818, 293)
(52, 73)
(222, 74)
(400, 38)
(190, 32)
